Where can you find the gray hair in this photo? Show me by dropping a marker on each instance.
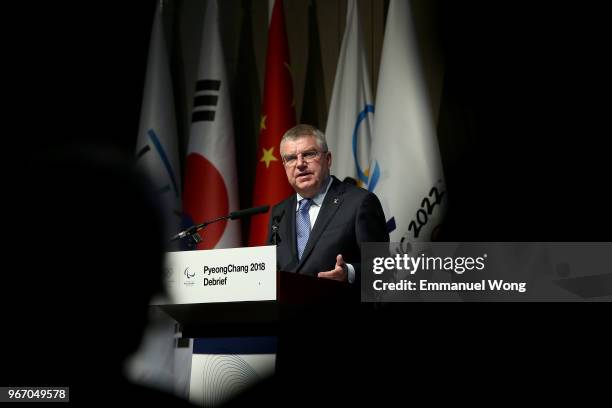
(302, 130)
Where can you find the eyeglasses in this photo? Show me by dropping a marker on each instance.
(290, 160)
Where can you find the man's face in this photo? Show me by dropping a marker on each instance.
(309, 169)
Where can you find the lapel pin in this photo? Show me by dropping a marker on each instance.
(335, 201)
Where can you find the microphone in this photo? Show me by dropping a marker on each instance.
(275, 221)
(192, 231)
(248, 212)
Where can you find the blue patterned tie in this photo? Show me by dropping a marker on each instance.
(302, 222)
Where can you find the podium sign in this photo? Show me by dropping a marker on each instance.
(220, 275)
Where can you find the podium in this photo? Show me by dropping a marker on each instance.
(291, 300)
(297, 297)
(289, 295)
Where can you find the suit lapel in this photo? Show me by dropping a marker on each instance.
(333, 201)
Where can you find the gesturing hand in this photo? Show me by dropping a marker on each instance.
(339, 272)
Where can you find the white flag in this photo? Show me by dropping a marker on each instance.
(153, 363)
(211, 182)
(156, 146)
(407, 175)
(351, 111)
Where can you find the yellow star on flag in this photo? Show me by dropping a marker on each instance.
(262, 122)
(268, 156)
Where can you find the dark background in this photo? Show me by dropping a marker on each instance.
(525, 96)
(529, 85)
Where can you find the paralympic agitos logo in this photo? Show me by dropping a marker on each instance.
(188, 274)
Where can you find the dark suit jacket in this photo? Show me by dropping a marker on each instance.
(349, 216)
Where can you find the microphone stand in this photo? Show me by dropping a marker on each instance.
(191, 233)
(275, 224)
(274, 234)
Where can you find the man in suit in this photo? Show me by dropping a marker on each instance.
(320, 229)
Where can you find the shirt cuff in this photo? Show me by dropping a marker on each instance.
(350, 272)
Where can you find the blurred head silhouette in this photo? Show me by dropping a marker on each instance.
(90, 254)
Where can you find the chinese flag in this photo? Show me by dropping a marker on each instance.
(277, 117)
